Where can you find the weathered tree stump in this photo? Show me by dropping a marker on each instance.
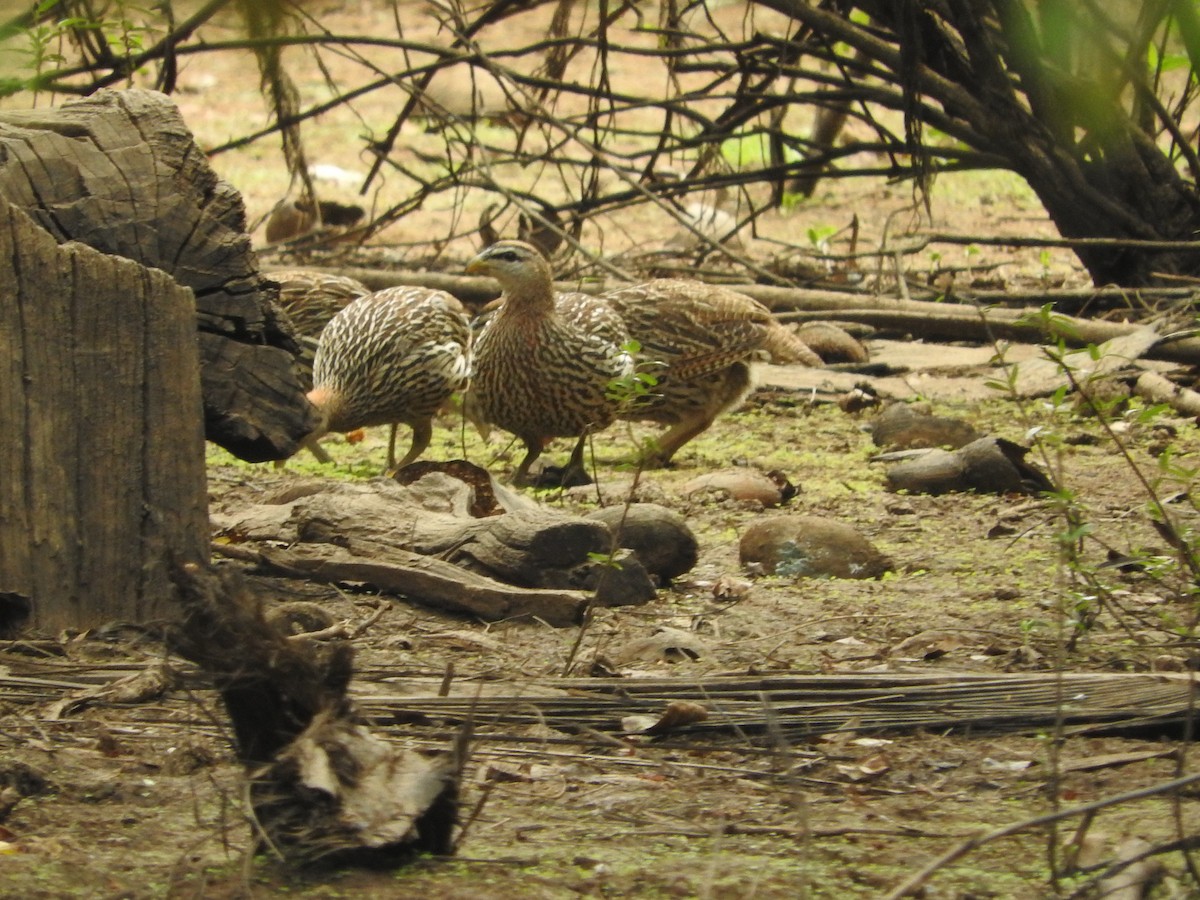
(120, 172)
(324, 788)
(101, 446)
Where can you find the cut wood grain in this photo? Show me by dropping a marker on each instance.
(102, 475)
(120, 172)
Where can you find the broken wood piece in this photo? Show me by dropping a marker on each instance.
(530, 547)
(338, 794)
(1159, 389)
(429, 581)
(322, 787)
(989, 465)
(1042, 377)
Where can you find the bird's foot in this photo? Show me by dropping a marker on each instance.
(554, 477)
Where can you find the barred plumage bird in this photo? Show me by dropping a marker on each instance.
(543, 365)
(392, 356)
(698, 341)
(311, 298)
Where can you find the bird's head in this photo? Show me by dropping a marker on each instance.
(519, 267)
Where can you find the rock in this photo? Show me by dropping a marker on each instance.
(989, 465)
(809, 546)
(665, 645)
(659, 537)
(900, 426)
(768, 488)
(299, 617)
(832, 343)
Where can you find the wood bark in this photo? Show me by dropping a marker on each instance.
(415, 541)
(120, 172)
(101, 448)
(323, 788)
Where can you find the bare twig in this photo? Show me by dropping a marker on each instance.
(913, 884)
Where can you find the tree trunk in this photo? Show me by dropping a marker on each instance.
(119, 171)
(102, 475)
(1049, 101)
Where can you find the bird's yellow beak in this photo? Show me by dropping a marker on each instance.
(477, 266)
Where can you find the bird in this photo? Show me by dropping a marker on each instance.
(292, 219)
(696, 342)
(396, 355)
(544, 364)
(309, 299)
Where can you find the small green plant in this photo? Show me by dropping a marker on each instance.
(819, 235)
(630, 390)
(1044, 260)
(110, 39)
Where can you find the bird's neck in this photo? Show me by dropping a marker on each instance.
(530, 297)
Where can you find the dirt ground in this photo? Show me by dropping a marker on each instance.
(100, 798)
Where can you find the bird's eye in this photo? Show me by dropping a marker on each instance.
(508, 256)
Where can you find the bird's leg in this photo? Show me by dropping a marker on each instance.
(422, 434)
(533, 451)
(668, 443)
(391, 458)
(573, 474)
(315, 448)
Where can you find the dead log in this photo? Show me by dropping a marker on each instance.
(421, 579)
(119, 171)
(938, 321)
(1159, 389)
(101, 447)
(527, 561)
(323, 788)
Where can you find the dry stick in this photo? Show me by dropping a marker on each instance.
(602, 156)
(939, 237)
(917, 881)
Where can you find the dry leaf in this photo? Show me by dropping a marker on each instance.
(678, 714)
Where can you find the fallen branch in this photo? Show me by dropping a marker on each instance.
(421, 579)
(1158, 389)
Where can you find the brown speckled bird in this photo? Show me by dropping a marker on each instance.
(392, 356)
(310, 299)
(543, 365)
(698, 341)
